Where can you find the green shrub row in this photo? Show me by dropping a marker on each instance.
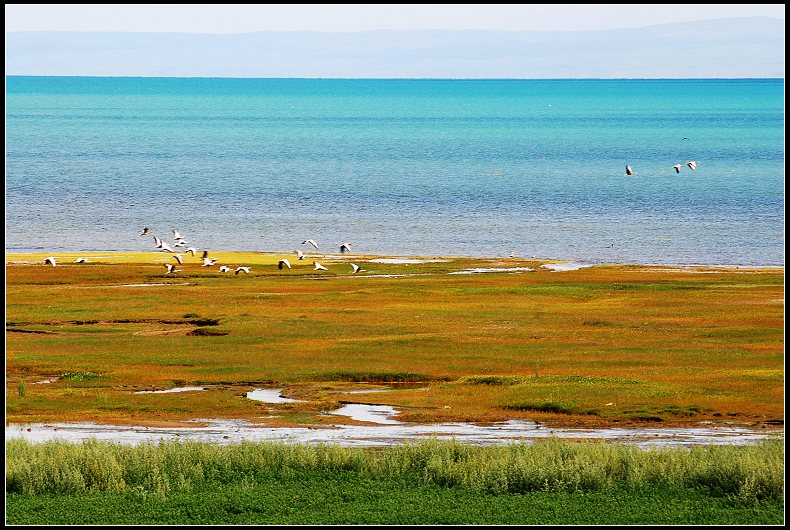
(749, 473)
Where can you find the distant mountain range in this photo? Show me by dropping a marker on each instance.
(733, 47)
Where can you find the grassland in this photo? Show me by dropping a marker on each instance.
(606, 345)
(548, 482)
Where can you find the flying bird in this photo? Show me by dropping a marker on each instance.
(355, 268)
(171, 268)
(345, 247)
(224, 268)
(677, 168)
(192, 250)
(176, 235)
(245, 270)
(692, 164)
(628, 170)
(179, 259)
(161, 244)
(311, 242)
(145, 231)
(208, 262)
(49, 261)
(299, 254)
(283, 263)
(319, 267)
(81, 260)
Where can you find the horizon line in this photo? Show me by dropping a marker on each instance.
(393, 29)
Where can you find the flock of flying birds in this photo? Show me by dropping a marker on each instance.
(181, 243)
(692, 164)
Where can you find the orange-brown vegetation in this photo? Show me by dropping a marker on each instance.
(594, 346)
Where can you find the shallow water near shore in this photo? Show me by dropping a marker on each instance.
(387, 432)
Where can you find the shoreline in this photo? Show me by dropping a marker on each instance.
(33, 257)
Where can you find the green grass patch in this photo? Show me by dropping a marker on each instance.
(550, 481)
(497, 380)
(337, 498)
(373, 377)
(207, 332)
(556, 407)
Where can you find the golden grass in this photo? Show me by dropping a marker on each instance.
(601, 345)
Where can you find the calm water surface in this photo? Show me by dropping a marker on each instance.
(401, 167)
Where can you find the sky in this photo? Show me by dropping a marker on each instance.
(245, 18)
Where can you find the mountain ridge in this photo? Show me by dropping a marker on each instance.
(716, 48)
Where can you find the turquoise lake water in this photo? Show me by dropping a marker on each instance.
(401, 167)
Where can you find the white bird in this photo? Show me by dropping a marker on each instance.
(319, 267)
(224, 268)
(355, 268)
(145, 231)
(81, 260)
(180, 243)
(208, 262)
(161, 244)
(171, 268)
(179, 259)
(311, 242)
(176, 235)
(245, 270)
(677, 168)
(692, 164)
(282, 263)
(512, 254)
(193, 250)
(345, 247)
(628, 170)
(49, 261)
(299, 254)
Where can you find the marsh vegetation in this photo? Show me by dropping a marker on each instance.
(594, 346)
(439, 482)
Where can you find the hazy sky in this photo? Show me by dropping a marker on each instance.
(244, 18)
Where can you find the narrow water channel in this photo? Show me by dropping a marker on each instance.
(381, 428)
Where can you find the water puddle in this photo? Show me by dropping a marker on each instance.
(493, 269)
(147, 284)
(557, 267)
(267, 395)
(46, 381)
(171, 390)
(370, 413)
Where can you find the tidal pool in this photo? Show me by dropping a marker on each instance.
(171, 390)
